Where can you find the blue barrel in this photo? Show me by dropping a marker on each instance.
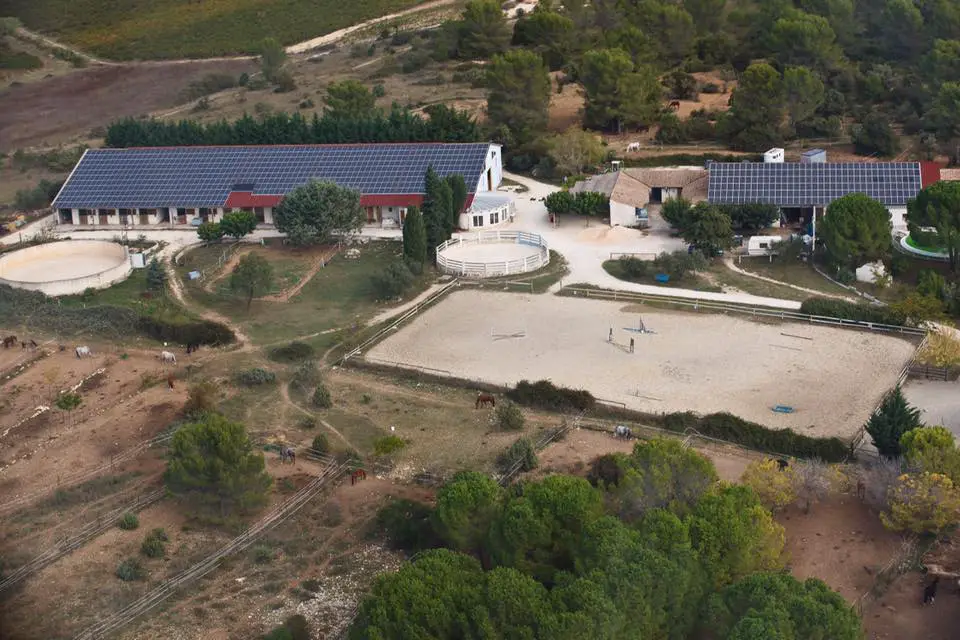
(662, 277)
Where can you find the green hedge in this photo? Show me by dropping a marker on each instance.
(833, 308)
(543, 394)
(725, 426)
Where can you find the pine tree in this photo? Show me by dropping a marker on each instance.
(414, 237)
(156, 276)
(458, 190)
(435, 211)
(894, 418)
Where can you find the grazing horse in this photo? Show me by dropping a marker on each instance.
(167, 357)
(286, 453)
(9, 341)
(357, 476)
(675, 105)
(930, 591)
(483, 399)
(193, 347)
(782, 464)
(83, 351)
(621, 431)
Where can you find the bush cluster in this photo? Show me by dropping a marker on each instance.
(832, 308)
(388, 444)
(508, 417)
(321, 397)
(255, 377)
(153, 544)
(543, 394)
(393, 281)
(128, 521)
(194, 332)
(321, 444)
(130, 570)
(521, 450)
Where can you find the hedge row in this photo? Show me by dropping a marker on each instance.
(833, 308)
(543, 394)
(725, 426)
(19, 307)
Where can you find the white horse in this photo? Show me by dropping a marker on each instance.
(168, 358)
(84, 351)
(633, 146)
(622, 431)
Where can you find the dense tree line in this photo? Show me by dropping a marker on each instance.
(443, 124)
(874, 63)
(651, 547)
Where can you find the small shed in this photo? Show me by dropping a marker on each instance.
(813, 156)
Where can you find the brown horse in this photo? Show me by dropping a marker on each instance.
(357, 476)
(9, 341)
(675, 105)
(483, 399)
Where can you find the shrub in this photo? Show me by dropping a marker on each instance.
(508, 417)
(634, 268)
(201, 399)
(152, 547)
(321, 397)
(393, 281)
(941, 350)
(521, 451)
(292, 352)
(378, 90)
(305, 376)
(388, 444)
(833, 308)
(321, 444)
(255, 377)
(408, 525)
(543, 394)
(130, 570)
(210, 83)
(710, 87)
(262, 554)
(294, 628)
(129, 521)
(608, 470)
(307, 422)
(160, 534)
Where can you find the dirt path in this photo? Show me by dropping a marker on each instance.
(318, 264)
(393, 312)
(728, 261)
(226, 268)
(285, 394)
(176, 288)
(32, 36)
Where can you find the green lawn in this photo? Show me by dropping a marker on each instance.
(148, 29)
(796, 273)
(338, 296)
(691, 280)
(131, 293)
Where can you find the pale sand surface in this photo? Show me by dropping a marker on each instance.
(704, 363)
(47, 269)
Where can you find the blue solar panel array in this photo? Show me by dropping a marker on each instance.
(204, 176)
(805, 185)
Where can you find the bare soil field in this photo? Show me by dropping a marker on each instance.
(704, 363)
(121, 407)
(65, 108)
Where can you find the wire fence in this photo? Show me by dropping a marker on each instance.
(83, 535)
(169, 587)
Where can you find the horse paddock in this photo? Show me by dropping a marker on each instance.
(831, 378)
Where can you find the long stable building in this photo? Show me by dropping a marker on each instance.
(188, 185)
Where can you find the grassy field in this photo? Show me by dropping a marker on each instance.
(148, 29)
(338, 296)
(796, 273)
(688, 281)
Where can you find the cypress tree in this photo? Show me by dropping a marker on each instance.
(895, 417)
(414, 237)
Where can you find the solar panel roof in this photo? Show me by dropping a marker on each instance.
(205, 176)
(791, 184)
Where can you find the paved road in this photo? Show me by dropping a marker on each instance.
(939, 402)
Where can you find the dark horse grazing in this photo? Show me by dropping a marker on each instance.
(782, 464)
(930, 591)
(193, 347)
(9, 341)
(483, 399)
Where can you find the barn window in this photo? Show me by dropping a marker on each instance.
(478, 221)
(495, 217)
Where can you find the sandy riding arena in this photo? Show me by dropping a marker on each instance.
(832, 378)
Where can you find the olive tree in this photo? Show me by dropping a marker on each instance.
(317, 211)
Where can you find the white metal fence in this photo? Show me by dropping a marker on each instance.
(494, 268)
(768, 312)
